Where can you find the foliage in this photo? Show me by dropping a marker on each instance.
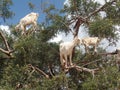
(32, 47)
(36, 49)
(84, 7)
(5, 12)
(55, 21)
(103, 28)
(113, 12)
(31, 6)
(107, 79)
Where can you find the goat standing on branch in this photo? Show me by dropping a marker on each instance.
(29, 19)
(66, 49)
(90, 41)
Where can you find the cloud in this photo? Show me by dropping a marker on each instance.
(5, 28)
(67, 3)
(69, 37)
(56, 39)
(100, 1)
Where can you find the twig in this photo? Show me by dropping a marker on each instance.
(31, 71)
(38, 70)
(66, 25)
(91, 62)
(50, 71)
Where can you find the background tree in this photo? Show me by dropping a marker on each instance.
(5, 11)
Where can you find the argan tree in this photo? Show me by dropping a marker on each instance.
(32, 61)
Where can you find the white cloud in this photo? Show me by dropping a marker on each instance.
(56, 39)
(5, 28)
(67, 3)
(100, 1)
(69, 37)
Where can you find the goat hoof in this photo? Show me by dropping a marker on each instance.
(66, 70)
(71, 64)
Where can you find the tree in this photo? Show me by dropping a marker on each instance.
(88, 14)
(36, 63)
(5, 12)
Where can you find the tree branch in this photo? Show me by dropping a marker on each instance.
(8, 51)
(38, 70)
(101, 8)
(5, 41)
(4, 51)
(83, 69)
(82, 20)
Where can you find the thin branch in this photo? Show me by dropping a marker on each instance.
(62, 23)
(83, 69)
(101, 8)
(31, 73)
(50, 70)
(75, 6)
(72, 20)
(38, 70)
(91, 62)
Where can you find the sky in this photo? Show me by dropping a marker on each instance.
(20, 8)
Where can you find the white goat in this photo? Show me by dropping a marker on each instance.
(66, 49)
(90, 41)
(29, 19)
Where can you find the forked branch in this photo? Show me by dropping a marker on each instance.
(38, 70)
(8, 51)
(83, 69)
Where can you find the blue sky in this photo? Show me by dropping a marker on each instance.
(20, 8)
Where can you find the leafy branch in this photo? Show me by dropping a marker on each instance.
(80, 20)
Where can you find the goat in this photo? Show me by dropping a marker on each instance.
(66, 49)
(90, 41)
(29, 19)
